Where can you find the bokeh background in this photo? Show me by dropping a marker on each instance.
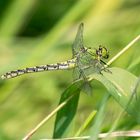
(35, 32)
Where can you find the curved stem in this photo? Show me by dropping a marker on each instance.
(46, 119)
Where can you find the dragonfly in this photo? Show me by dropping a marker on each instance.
(84, 61)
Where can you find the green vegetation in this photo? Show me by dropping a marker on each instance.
(42, 32)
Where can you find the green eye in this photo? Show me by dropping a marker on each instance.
(106, 56)
(105, 53)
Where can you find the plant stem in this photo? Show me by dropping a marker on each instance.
(124, 50)
(46, 119)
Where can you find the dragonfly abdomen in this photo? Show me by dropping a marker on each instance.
(59, 66)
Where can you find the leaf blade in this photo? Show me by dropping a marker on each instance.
(66, 114)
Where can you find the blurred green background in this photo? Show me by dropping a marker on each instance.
(35, 32)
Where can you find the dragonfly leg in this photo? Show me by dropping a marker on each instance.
(103, 62)
(103, 68)
(106, 69)
(80, 75)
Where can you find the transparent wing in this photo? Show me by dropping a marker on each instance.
(88, 64)
(78, 42)
(79, 73)
(76, 74)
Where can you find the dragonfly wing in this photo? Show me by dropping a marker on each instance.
(86, 86)
(88, 64)
(78, 73)
(78, 42)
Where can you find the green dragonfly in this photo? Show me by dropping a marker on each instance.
(84, 61)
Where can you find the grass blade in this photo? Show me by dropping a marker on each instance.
(86, 123)
(65, 115)
(95, 130)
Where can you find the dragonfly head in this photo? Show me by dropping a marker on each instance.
(102, 52)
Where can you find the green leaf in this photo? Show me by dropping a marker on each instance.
(67, 113)
(135, 66)
(120, 85)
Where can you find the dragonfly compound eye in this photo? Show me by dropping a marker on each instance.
(105, 53)
(106, 56)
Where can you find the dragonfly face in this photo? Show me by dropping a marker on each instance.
(99, 53)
